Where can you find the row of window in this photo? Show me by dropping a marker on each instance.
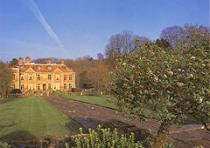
(49, 68)
(57, 77)
(44, 86)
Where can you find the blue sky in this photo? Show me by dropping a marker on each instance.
(75, 28)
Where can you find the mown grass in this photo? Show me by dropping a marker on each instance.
(103, 101)
(97, 100)
(32, 117)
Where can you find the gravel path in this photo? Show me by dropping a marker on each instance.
(89, 116)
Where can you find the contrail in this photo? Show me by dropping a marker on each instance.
(37, 13)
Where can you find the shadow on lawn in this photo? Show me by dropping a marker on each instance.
(18, 137)
(2, 101)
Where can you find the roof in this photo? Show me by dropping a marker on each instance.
(45, 67)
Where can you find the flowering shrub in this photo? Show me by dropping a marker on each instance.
(166, 86)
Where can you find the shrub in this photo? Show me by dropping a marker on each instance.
(99, 138)
(166, 86)
(15, 91)
(104, 137)
(4, 145)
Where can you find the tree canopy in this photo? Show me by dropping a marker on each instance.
(5, 79)
(166, 86)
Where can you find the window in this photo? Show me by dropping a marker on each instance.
(38, 76)
(70, 77)
(39, 67)
(65, 77)
(13, 86)
(57, 77)
(49, 77)
(70, 86)
(13, 76)
(65, 86)
(38, 86)
(30, 77)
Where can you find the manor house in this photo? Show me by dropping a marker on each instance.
(28, 76)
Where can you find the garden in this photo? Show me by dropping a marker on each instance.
(33, 121)
(32, 117)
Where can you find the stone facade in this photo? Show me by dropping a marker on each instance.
(29, 76)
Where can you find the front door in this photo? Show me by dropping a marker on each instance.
(44, 86)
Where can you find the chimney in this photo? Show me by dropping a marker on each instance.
(62, 61)
(20, 61)
(27, 60)
(49, 61)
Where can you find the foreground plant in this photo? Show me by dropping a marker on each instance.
(4, 145)
(165, 86)
(105, 138)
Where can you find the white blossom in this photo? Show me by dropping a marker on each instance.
(180, 84)
(124, 64)
(200, 99)
(133, 66)
(191, 75)
(192, 57)
(203, 65)
(149, 71)
(156, 78)
(170, 73)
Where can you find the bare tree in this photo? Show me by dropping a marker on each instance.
(121, 43)
(187, 37)
(100, 56)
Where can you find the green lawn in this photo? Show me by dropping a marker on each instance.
(32, 117)
(97, 100)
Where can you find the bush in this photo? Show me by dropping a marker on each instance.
(76, 90)
(4, 145)
(15, 91)
(99, 138)
(102, 138)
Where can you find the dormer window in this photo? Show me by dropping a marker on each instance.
(49, 67)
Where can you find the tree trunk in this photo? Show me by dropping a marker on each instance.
(162, 135)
